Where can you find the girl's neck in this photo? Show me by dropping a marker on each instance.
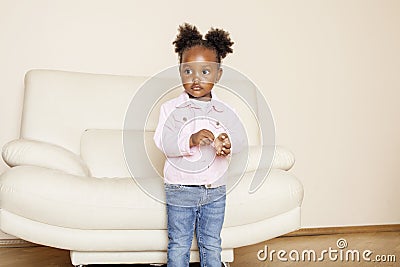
(202, 98)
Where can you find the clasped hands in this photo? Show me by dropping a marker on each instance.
(222, 143)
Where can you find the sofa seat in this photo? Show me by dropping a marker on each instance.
(77, 202)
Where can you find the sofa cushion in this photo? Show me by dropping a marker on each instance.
(103, 152)
(37, 153)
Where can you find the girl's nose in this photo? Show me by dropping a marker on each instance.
(196, 79)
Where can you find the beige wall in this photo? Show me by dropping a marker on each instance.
(329, 69)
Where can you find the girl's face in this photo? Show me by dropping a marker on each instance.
(199, 71)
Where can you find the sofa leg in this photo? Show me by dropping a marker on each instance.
(226, 264)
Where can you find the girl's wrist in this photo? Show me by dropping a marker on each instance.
(191, 142)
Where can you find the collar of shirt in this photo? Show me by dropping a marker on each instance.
(184, 101)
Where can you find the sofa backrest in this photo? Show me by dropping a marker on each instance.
(60, 105)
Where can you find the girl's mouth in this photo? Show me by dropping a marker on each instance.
(196, 87)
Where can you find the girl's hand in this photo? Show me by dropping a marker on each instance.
(222, 145)
(202, 137)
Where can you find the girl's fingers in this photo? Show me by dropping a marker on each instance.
(208, 134)
(226, 151)
(227, 144)
(211, 136)
(225, 140)
(222, 136)
(223, 152)
(205, 141)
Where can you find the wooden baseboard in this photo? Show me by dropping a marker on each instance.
(345, 230)
(16, 243)
(301, 232)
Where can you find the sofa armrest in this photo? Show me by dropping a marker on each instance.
(37, 153)
(282, 158)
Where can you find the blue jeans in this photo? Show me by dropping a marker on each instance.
(194, 208)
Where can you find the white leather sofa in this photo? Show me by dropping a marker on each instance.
(69, 187)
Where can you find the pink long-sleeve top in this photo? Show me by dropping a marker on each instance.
(199, 165)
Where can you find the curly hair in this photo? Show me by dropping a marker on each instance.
(215, 39)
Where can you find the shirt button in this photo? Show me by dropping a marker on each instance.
(217, 123)
(184, 119)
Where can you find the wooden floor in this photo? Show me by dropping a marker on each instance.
(380, 243)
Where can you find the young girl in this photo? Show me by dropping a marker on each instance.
(197, 132)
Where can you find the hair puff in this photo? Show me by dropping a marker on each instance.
(188, 36)
(219, 39)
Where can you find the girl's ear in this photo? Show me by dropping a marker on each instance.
(219, 74)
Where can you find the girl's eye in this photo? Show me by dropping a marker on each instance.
(206, 71)
(188, 71)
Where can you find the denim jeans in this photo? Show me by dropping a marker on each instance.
(191, 209)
